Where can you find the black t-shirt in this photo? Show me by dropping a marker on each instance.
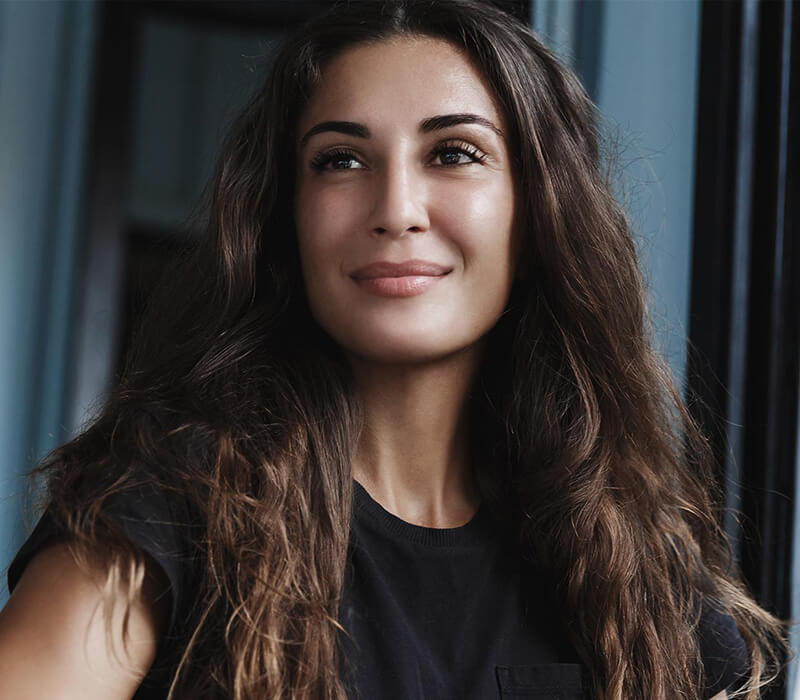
(433, 614)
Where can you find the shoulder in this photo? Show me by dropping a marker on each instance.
(53, 617)
(154, 521)
(725, 656)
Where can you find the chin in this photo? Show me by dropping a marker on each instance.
(403, 350)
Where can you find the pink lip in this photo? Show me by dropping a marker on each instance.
(409, 268)
(405, 279)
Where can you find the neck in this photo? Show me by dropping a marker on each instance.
(413, 454)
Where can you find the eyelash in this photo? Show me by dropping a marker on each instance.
(322, 159)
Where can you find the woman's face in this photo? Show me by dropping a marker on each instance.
(404, 202)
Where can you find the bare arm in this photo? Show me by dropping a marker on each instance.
(53, 640)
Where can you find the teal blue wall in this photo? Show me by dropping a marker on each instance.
(639, 62)
(647, 84)
(45, 74)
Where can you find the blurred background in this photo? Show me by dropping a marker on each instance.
(111, 114)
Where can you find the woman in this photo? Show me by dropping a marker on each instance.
(396, 429)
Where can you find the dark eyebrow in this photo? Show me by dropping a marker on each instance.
(441, 121)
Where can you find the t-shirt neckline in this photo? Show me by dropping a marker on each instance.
(471, 533)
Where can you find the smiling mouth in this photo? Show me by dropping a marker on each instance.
(405, 279)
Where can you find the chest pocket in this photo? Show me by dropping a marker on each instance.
(541, 682)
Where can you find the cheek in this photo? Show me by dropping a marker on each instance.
(481, 221)
(323, 223)
(320, 222)
(325, 204)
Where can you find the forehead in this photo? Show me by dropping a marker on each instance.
(400, 79)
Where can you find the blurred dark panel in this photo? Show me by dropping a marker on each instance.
(774, 311)
(277, 14)
(273, 15)
(721, 217)
(745, 305)
(519, 8)
(148, 254)
(98, 290)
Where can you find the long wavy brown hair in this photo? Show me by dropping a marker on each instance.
(233, 400)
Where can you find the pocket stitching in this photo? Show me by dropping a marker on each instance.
(571, 681)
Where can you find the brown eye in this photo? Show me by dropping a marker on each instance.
(336, 158)
(452, 154)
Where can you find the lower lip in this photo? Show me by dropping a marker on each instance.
(409, 286)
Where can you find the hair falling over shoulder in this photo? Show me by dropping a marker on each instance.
(234, 400)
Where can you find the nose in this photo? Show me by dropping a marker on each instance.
(400, 205)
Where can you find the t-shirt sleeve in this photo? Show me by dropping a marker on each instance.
(152, 522)
(726, 660)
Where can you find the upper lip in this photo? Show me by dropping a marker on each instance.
(409, 268)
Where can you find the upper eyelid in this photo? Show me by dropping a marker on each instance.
(451, 142)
